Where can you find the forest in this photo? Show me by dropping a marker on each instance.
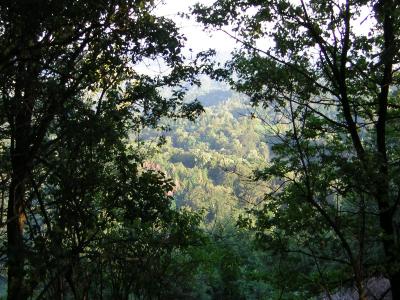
(136, 166)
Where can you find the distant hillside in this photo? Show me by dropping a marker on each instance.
(211, 159)
(214, 97)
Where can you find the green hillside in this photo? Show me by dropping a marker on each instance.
(212, 159)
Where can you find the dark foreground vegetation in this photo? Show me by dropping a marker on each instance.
(295, 198)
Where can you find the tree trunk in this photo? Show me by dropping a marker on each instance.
(395, 285)
(386, 11)
(21, 158)
(16, 253)
(389, 245)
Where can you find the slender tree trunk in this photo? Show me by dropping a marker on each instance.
(16, 253)
(17, 289)
(391, 253)
(395, 285)
(386, 10)
(21, 117)
(361, 290)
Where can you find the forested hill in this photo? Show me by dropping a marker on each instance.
(211, 160)
(215, 97)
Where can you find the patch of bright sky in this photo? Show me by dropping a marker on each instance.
(197, 39)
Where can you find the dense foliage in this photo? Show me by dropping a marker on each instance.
(212, 160)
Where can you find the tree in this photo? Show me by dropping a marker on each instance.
(99, 223)
(53, 55)
(329, 71)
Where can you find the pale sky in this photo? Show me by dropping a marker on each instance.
(198, 40)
